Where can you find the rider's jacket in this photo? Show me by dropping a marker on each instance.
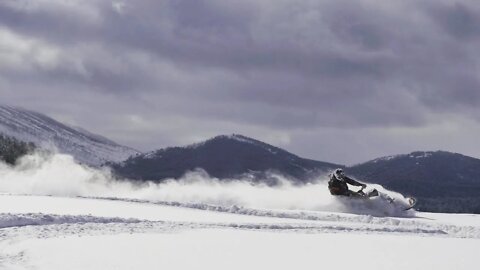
(338, 184)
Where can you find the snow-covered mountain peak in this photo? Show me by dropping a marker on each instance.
(231, 137)
(421, 154)
(415, 155)
(237, 138)
(386, 158)
(42, 130)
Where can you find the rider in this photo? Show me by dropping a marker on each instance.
(338, 184)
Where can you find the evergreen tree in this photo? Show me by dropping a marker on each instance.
(11, 149)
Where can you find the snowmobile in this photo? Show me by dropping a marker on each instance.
(406, 203)
(338, 185)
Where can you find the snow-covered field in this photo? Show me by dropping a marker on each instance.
(45, 232)
(55, 214)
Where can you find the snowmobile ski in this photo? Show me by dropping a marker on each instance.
(411, 202)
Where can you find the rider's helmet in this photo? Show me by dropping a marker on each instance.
(339, 174)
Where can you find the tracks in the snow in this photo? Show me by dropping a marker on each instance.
(38, 225)
(47, 226)
(348, 222)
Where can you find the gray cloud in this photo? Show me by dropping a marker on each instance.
(271, 69)
(461, 20)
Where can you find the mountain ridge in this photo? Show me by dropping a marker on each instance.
(85, 146)
(441, 180)
(223, 156)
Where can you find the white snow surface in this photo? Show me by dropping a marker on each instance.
(50, 232)
(47, 133)
(57, 214)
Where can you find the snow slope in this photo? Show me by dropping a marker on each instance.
(86, 147)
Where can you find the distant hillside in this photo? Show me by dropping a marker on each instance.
(222, 157)
(442, 181)
(11, 149)
(34, 127)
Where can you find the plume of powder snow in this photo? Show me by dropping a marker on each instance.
(60, 175)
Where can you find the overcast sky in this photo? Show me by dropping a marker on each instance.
(339, 81)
